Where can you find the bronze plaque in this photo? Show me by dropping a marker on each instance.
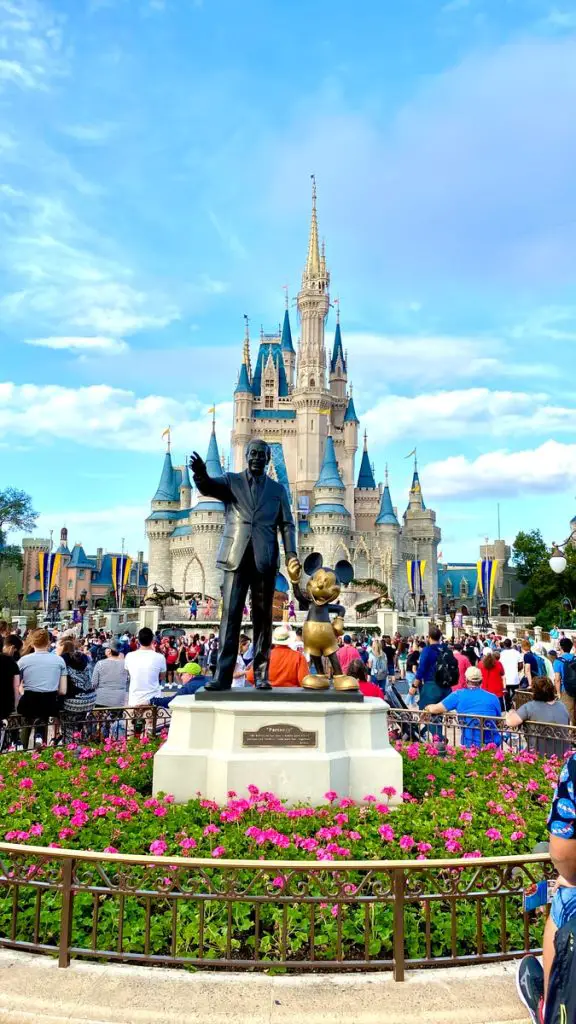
(280, 735)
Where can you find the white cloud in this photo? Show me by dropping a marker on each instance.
(387, 358)
(13, 71)
(92, 134)
(547, 469)
(561, 20)
(31, 38)
(99, 416)
(106, 346)
(469, 411)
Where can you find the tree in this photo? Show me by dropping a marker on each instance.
(528, 553)
(16, 512)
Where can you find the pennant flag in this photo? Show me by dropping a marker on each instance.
(121, 567)
(324, 412)
(410, 454)
(487, 572)
(44, 559)
(211, 410)
(166, 433)
(53, 581)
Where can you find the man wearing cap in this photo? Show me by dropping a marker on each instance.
(475, 701)
(190, 675)
(287, 667)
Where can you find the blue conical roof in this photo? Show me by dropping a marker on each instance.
(416, 489)
(350, 414)
(387, 515)
(366, 479)
(243, 385)
(330, 474)
(337, 351)
(213, 464)
(185, 482)
(169, 482)
(286, 342)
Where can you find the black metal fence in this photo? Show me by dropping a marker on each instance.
(258, 915)
(408, 725)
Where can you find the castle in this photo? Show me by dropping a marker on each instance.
(300, 401)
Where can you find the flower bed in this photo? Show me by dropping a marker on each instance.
(462, 806)
(467, 803)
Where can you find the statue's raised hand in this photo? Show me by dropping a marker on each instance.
(197, 465)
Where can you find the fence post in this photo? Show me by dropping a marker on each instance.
(66, 913)
(398, 933)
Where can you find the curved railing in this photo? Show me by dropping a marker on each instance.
(263, 915)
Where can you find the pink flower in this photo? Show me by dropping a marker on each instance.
(453, 846)
(466, 816)
(218, 851)
(253, 790)
(279, 882)
(26, 783)
(407, 842)
(386, 832)
(159, 847)
(188, 844)
(334, 910)
(160, 812)
(518, 835)
(211, 830)
(331, 795)
(388, 791)
(110, 849)
(493, 834)
(424, 847)
(36, 829)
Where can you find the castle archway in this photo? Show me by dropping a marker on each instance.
(194, 578)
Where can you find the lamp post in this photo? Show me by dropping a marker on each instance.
(452, 614)
(82, 606)
(20, 599)
(54, 606)
(567, 604)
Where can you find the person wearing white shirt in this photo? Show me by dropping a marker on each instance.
(146, 670)
(510, 660)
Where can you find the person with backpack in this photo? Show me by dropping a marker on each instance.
(565, 677)
(548, 990)
(533, 666)
(436, 674)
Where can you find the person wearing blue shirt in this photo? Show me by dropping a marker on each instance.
(558, 666)
(472, 701)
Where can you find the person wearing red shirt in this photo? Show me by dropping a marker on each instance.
(463, 664)
(492, 675)
(347, 653)
(357, 669)
(286, 667)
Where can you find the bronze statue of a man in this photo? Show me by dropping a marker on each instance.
(256, 508)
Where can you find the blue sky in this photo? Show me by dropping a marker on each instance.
(154, 186)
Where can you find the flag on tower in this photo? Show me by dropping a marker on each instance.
(410, 454)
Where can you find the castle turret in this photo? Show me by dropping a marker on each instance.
(338, 368)
(420, 539)
(329, 517)
(161, 522)
(387, 554)
(206, 525)
(350, 447)
(366, 495)
(243, 402)
(311, 399)
(288, 353)
(185, 488)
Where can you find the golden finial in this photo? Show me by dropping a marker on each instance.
(286, 296)
(313, 262)
(337, 308)
(246, 348)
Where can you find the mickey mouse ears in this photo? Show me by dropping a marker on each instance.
(343, 570)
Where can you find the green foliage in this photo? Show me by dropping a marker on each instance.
(97, 797)
(528, 553)
(16, 512)
(544, 591)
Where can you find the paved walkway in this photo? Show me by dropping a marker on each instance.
(33, 990)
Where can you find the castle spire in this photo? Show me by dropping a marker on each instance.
(312, 269)
(366, 479)
(245, 376)
(387, 515)
(329, 472)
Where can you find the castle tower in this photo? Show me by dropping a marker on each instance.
(32, 547)
(329, 518)
(388, 543)
(420, 539)
(206, 525)
(243, 402)
(185, 488)
(350, 447)
(162, 521)
(338, 373)
(366, 506)
(288, 353)
(310, 395)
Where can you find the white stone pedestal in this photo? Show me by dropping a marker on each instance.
(298, 751)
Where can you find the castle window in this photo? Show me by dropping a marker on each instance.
(81, 574)
(311, 424)
(449, 588)
(463, 588)
(269, 402)
(312, 382)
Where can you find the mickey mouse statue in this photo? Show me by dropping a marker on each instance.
(321, 634)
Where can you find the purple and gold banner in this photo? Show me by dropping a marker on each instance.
(120, 575)
(415, 570)
(48, 567)
(487, 570)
